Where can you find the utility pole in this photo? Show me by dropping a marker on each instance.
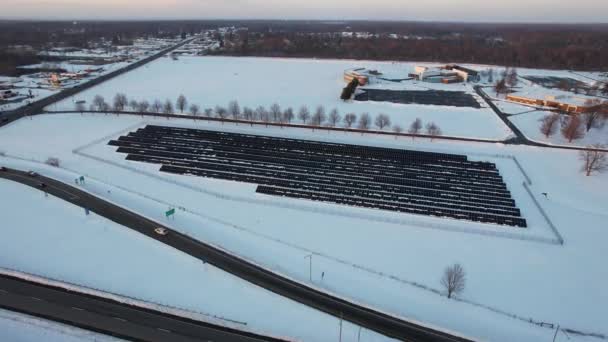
(309, 256)
(340, 327)
(359, 334)
(556, 331)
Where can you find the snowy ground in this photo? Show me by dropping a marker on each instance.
(404, 257)
(93, 252)
(211, 81)
(16, 327)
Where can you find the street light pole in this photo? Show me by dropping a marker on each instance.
(309, 256)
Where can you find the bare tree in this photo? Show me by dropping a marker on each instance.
(208, 112)
(319, 117)
(288, 115)
(80, 107)
(120, 102)
(453, 280)
(594, 114)
(263, 114)
(364, 121)
(500, 87)
(433, 130)
(382, 120)
(275, 112)
(157, 106)
(168, 107)
(415, 127)
(194, 109)
(234, 109)
(143, 106)
(548, 124)
(221, 113)
(181, 103)
(397, 129)
(105, 107)
(512, 78)
(247, 114)
(594, 159)
(133, 105)
(573, 128)
(304, 114)
(334, 117)
(98, 102)
(350, 119)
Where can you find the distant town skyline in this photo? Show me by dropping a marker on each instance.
(580, 11)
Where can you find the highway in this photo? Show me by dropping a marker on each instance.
(110, 317)
(37, 107)
(355, 313)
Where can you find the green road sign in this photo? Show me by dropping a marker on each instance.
(170, 212)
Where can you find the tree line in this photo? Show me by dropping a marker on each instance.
(318, 117)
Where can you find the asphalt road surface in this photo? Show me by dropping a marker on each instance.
(109, 317)
(357, 314)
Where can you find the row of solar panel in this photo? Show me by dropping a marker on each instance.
(195, 147)
(432, 185)
(293, 165)
(407, 198)
(300, 149)
(402, 186)
(460, 215)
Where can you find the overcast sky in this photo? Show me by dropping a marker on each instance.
(445, 10)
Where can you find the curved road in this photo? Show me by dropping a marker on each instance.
(357, 314)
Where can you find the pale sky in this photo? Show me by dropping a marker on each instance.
(442, 10)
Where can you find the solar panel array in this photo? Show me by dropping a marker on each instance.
(424, 183)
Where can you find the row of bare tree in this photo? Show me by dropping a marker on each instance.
(275, 114)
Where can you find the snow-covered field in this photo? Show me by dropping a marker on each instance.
(394, 266)
(212, 81)
(16, 327)
(48, 237)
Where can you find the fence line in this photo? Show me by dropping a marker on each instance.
(542, 211)
(522, 170)
(317, 209)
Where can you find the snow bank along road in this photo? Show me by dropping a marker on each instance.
(360, 315)
(38, 106)
(109, 317)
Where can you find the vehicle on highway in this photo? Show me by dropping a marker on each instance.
(32, 173)
(161, 231)
(42, 185)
